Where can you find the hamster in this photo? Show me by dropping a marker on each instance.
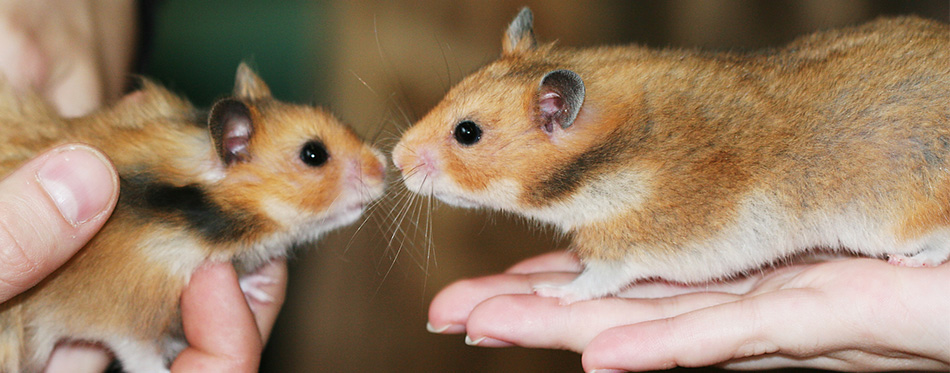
(692, 166)
(243, 183)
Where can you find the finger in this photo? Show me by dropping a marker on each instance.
(557, 261)
(220, 329)
(78, 357)
(538, 322)
(49, 208)
(665, 289)
(265, 313)
(741, 329)
(80, 90)
(565, 261)
(450, 308)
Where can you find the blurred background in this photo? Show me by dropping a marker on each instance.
(357, 301)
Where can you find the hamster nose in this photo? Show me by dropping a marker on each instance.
(382, 161)
(398, 158)
(375, 166)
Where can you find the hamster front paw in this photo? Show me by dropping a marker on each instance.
(930, 256)
(252, 285)
(599, 279)
(565, 294)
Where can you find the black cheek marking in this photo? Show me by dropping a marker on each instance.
(564, 180)
(187, 205)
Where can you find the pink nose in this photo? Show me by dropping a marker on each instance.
(376, 167)
(397, 164)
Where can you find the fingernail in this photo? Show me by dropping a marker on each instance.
(439, 330)
(486, 342)
(79, 181)
(445, 329)
(473, 342)
(606, 371)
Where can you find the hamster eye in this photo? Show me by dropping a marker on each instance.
(314, 154)
(467, 133)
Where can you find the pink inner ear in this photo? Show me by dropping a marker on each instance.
(237, 136)
(236, 145)
(550, 104)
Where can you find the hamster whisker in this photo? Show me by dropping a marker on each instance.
(365, 84)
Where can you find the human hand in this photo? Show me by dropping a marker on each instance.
(852, 314)
(75, 54)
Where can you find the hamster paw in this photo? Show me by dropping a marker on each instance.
(909, 261)
(930, 256)
(252, 285)
(565, 294)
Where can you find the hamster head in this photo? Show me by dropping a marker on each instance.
(507, 137)
(297, 165)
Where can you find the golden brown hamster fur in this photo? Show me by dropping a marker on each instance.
(243, 183)
(690, 165)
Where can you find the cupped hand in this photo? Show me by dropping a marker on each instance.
(49, 208)
(851, 314)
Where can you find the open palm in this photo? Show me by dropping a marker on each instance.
(851, 314)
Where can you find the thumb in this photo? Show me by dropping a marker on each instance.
(49, 208)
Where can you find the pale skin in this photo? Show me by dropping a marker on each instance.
(849, 314)
(42, 225)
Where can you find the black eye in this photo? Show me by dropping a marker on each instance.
(314, 154)
(467, 133)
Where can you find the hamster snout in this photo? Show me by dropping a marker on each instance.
(367, 174)
(416, 164)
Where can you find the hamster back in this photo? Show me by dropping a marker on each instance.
(692, 166)
(243, 182)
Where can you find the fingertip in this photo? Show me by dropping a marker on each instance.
(78, 357)
(80, 181)
(529, 321)
(444, 328)
(449, 309)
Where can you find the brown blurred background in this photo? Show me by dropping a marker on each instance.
(358, 300)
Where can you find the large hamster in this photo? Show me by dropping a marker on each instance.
(691, 166)
(244, 183)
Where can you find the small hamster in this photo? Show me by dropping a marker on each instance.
(692, 166)
(243, 182)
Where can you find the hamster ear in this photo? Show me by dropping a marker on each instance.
(231, 130)
(248, 85)
(560, 98)
(520, 35)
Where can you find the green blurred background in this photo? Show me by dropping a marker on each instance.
(197, 45)
(358, 301)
